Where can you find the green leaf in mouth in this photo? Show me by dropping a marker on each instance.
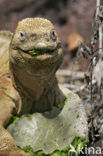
(35, 52)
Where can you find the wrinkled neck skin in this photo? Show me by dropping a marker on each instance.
(32, 85)
(34, 80)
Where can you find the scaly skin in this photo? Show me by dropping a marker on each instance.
(33, 86)
(35, 75)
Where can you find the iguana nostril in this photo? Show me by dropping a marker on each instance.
(46, 37)
(33, 36)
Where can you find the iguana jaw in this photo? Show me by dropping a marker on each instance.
(40, 50)
(36, 52)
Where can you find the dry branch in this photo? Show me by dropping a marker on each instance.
(73, 74)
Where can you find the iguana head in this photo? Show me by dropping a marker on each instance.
(35, 39)
(35, 54)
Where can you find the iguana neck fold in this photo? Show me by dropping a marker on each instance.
(35, 84)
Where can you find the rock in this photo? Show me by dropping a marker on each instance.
(51, 130)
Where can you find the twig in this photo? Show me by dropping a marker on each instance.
(74, 74)
(97, 10)
(75, 88)
(100, 43)
(100, 39)
(91, 70)
(91, 75)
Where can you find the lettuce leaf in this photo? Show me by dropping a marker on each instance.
(78, 143)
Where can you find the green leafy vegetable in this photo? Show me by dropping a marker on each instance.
(61, 105)
(35, 52)
(77, 144)
(14, 119)
(29, 115)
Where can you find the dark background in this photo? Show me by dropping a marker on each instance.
(68, 16)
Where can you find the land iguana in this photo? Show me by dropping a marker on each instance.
(29, 59)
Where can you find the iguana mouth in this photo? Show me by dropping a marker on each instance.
(35, 52)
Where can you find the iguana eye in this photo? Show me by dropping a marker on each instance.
(53, 35)
(22, 35)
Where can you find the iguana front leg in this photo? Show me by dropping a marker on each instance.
(7, 109)
(9, 101)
